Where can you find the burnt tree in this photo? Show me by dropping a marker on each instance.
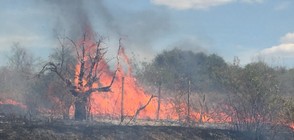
(89, 65)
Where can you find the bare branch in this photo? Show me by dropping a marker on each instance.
(76, 47)
(107, 88)
(141, 108)
(62, 54)
(53, 68)
(82, 67)
(94, 62)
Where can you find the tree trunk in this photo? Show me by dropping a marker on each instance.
(80, 108)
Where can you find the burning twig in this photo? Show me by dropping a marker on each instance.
(141, 108)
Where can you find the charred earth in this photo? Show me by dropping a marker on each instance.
(12, 127)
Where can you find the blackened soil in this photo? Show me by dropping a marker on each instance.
(17, 128)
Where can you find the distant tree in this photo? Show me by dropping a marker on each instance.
(254, 96)
(176, 67)
(286, 78)
(215, 65)
(20, 68)
(18, 75)
(20, 60)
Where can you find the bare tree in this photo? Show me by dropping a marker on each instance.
(89, 64)
(20, 59)
(18, 77)
(21, 64)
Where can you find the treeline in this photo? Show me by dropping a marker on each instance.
(252, 96)
(207, 72)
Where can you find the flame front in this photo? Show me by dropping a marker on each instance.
(13, 102)
(134, 97)
(109, 103)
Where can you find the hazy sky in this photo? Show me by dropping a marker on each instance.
(244, 28)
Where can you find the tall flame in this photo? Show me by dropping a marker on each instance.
(109, 103)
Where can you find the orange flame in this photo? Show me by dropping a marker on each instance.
(13, 102)
(291, 125)
(109, 104)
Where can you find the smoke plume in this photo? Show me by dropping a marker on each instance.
(139, 28)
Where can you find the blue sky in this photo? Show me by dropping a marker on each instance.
(249, 29)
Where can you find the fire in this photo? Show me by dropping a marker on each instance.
(134, 97)
(109, 103)
(13, 102)
(292, 125)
